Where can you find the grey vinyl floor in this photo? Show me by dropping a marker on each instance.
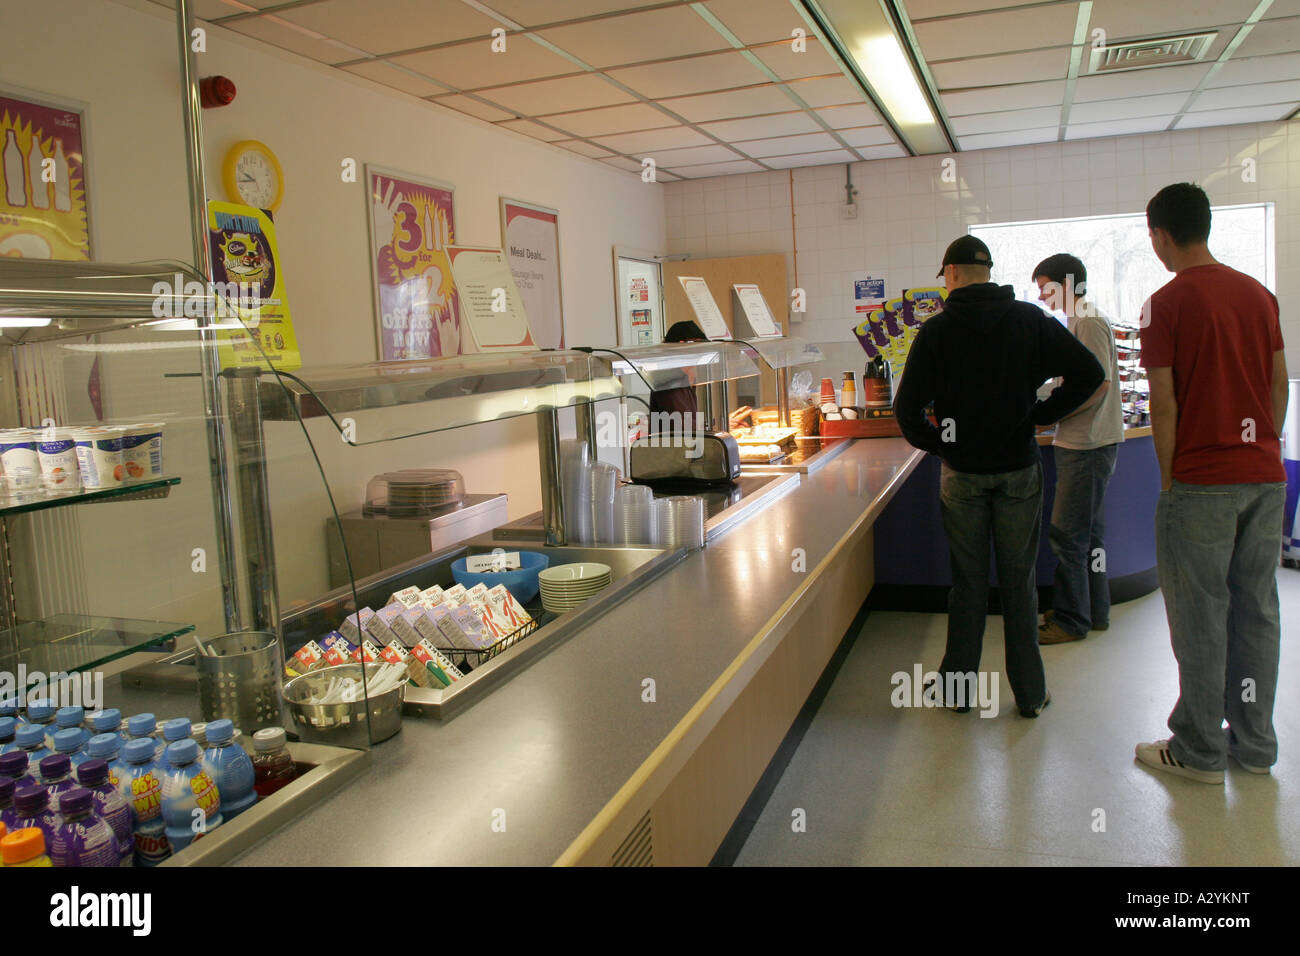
(872, 784)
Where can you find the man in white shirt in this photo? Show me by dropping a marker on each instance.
(1085, 448)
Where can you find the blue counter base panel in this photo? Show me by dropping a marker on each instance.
(933, 598)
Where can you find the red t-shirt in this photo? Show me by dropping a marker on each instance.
(1218, 329)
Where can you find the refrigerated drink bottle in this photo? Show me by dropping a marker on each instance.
(142, 789)
(82, 838)
(191, 802)
(230, 767)
(109, 806)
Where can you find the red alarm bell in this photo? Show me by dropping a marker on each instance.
(216, 91)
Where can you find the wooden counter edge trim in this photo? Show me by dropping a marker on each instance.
(720, 694)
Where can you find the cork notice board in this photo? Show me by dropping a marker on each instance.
(768, 272)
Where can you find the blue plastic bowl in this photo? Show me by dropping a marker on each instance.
(523, 584)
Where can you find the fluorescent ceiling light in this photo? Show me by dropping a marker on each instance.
(882, 61)
(15, 323)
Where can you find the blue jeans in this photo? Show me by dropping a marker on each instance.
(1081, 592)
(1218, 549)
(1006, 508)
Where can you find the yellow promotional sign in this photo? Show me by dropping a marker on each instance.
(246, 275)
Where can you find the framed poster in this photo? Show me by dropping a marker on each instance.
(412, 221)
(493, 309)
(44, 208)
(530, 238)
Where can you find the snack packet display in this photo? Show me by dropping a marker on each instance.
(470, 620)
(436, 663)
(395, 653)
(407, 625)
(309, 657)
(450, 633)
(407, 597)
(338, 649)
(500, 595)
(379, 628)
(432, 596)
(354, 625)
(367, 653)
(455, 596)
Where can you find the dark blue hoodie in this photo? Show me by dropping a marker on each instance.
(981, 361)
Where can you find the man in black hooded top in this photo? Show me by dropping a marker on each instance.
(981, 362)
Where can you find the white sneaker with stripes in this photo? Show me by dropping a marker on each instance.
(1158, 756)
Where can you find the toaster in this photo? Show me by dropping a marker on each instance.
(717, 460)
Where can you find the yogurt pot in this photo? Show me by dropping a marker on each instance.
(99, 456)
(22, 465)
(57, 453)
(142, 451)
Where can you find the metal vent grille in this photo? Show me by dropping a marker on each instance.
(1141, 54)
(637, 848)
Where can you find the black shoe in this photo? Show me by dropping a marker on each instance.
(1032, 712)
(955, 709)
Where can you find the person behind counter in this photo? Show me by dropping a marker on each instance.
(981, 361)
(1085, 446)
(681, 398)
(1212, 347)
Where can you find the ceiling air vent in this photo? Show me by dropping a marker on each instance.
(1140, 54)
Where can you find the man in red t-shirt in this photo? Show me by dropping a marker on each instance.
(1212, 347)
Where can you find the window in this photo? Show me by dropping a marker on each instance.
(1122, 269)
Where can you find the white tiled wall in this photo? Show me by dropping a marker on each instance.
(908, 214)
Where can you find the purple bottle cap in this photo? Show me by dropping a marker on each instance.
(55, 765)
(76, 800)
(92, 773)
(31, 801)
(6, 789)
(13, 764)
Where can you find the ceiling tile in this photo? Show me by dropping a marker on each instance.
(695, 156)
(584, 149)
(472, 65)
(532, 13)
(1012, 68)
(1257, 69)
(535, 130)
(1256, 114)
(847, 117)
(1163, 79)
(1004, 32)
(757, 21)
(1124, 18)
(867, 136)
(649, 141)
(703, 74)
(716, 106)
(1017, 96)
(630, 165)
(786, 145)
(827, 91)
(1046, 134)
(211, 10)
(383, 26)
(1275, 36)
(286, 37)
(1150, 124)
(1002, 122)
(635, 37)
(717, 169)
(788, 65)
(1101, 111)
(825, 158)
(389, 75)
(760, 127)
(465, 104)
(882, 152)
(611, 119)
(1239, 96)
(921, 9)
(570, 93)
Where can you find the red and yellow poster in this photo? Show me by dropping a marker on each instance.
(412, 222)
(43, 208)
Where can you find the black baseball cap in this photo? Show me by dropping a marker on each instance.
(966, 251)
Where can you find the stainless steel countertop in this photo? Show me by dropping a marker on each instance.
(552, 746)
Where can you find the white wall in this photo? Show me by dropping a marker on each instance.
(908, 214)
(121, 62)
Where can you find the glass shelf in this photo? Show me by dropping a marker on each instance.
(467, 389)
(685, 364)
(785, 352)
(40, 500)
(75, 642)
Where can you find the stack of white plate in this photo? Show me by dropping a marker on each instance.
(565, 586)
(634, 520)
(681, 521)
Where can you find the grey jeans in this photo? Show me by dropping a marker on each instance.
(1007, 510)
(1218, 548)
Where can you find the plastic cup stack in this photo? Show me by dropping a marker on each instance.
(575, 492)
(604, 485)
(634, 515)
(681, 522)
